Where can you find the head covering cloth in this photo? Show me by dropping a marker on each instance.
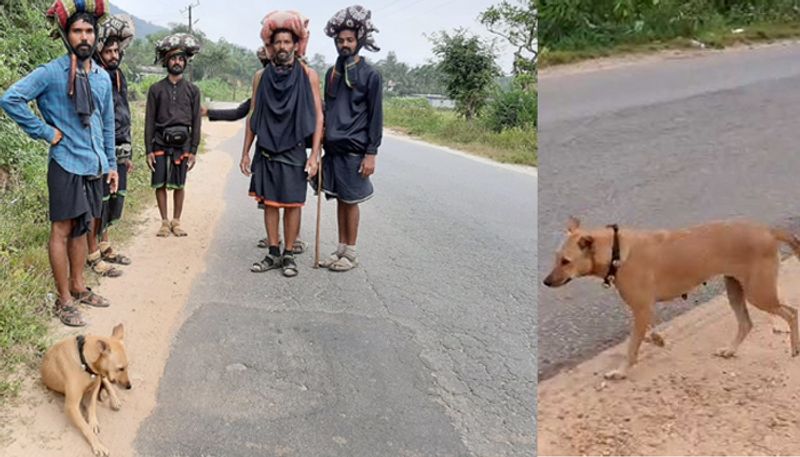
(289, 20)
(120, 27)
(284, 113)
(177, 43)
(59, 15)
(355, 18)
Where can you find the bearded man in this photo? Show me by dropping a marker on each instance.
(172, 128)
(76, 103)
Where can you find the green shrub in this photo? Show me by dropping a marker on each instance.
(511, 108)
(413, 115)
(580, 25)
(416, 117)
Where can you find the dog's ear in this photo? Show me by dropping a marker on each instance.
(586, 242)
(573, 224)
(118, 332)
(103, 347)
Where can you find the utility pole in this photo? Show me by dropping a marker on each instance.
(191, 23)
(189, 10)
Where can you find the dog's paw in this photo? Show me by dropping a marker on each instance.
(656, 339)
(115, 403)
(725, 353)
(101, 396)
(99, 450)
(615, 375)
(95, 426)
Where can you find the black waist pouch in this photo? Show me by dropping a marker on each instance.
(175, 135)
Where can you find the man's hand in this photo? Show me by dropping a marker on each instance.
(203, 111)
(151, 162)
(190, 161)
(128, 163)
(244, 165)
(367, 165)
(113, 181)
(312, 167)
(56, 137)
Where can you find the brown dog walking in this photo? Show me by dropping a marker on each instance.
(653, 266)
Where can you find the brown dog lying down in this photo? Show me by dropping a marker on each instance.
(662, 265)
(106, 362)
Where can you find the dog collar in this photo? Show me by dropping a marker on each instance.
(612, 268)
(81, 342)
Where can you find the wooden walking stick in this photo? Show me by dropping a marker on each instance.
(319, 210)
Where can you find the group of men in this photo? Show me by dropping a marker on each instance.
(85, 117)
(287, 115)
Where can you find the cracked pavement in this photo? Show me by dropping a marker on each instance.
(426, 349)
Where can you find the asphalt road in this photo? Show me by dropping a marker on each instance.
(662, 145)
(426, 349)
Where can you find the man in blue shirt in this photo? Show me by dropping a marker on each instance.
(75, 99)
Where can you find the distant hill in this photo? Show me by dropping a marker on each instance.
(143, 28)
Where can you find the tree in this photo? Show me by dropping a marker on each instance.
(317, 62)
(426, 79)
(394, 74)
(226, 62)
(517, 24)
(468, 69)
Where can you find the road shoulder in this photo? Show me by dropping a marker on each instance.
(639, 59)
(680, 399)
(148, 299)
(525, 169)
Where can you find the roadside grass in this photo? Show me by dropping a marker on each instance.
(717, 37)
(417, 118)
(26, 323)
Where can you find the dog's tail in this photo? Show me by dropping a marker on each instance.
(789, 238)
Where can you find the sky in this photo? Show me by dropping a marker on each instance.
(401, 23)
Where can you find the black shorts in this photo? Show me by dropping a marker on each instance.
(113, 203)
(342, 180)
(171, 168)
(74, 197)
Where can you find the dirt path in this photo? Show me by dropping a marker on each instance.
(681, 400)
(148, 299)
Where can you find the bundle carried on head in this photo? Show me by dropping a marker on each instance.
(62, 14)
(178, 43)
(356, 18)
(61, 10)
(285, 20)
(119, 27)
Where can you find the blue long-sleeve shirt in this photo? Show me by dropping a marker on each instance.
(85, 151)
